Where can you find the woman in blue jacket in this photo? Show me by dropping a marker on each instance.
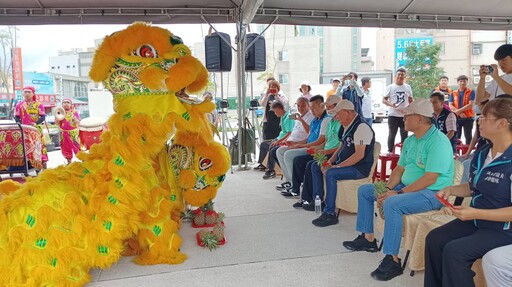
(451, 249)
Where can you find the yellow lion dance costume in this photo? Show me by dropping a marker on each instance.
(131, 186)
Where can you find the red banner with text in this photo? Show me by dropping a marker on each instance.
(17, 69)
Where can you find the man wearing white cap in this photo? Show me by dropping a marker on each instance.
(425, 167)
(352, 160)
(301, 172)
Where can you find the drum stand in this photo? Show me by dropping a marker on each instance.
(223, 112)
(252, 108)
(224, 125)
(224, 121)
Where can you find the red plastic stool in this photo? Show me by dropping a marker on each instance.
(461, 149)
(398, 145)
(384, 158)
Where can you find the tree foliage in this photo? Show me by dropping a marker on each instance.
(422, 71)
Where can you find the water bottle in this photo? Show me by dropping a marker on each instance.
(318, 205)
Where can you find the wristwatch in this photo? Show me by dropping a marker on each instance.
(400, 191)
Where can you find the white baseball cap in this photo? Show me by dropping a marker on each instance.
(332, 100)
(343, 105)
(421, 107)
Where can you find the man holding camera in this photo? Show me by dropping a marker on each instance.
(499, 85)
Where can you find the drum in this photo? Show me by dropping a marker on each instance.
(12, 151)
(90, 131)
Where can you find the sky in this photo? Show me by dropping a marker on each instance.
(39, 42)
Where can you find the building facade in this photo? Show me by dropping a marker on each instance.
(462, 51)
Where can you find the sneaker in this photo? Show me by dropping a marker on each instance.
(260, 167)
(311, 206)
(289, 193)
(361, 244)
(269, 174)
(284, 185)
(325, 220)
(388, 269)
(299, 204)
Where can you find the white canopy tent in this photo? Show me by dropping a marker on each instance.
(453, 14)
(428, 14)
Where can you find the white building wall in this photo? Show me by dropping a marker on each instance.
(457, 59)
(65, 64)
(455, 53)
(385, 45)
(490, 41)
(338, 49)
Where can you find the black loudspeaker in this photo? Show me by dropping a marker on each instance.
(217, 52)
(256, 55)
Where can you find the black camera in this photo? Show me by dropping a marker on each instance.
(224, 104)
(489, 69)
(253, 104)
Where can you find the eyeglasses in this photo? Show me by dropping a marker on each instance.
(484, 118)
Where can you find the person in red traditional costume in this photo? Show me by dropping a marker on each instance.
(69, 138)
(31, 112)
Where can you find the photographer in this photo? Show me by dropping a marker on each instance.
(499, 85)
(271, 126)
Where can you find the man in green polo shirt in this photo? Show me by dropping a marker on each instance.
(425, 167)
(286, 125)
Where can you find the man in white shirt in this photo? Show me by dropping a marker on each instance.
(499, 85)
(366, 107)
(398, 96)
(300, 132)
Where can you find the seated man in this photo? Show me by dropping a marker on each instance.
(316, 136)
(286, 128)
(444, 119)
(352, 160)
(299, 133)
(302, 164)
(425, 167)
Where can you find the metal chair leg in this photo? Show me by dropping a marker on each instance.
(411, 274)
(338, 213)
(406, 258)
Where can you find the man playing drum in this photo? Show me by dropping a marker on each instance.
(31, 112)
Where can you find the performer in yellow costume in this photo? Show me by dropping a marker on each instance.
(131, 186)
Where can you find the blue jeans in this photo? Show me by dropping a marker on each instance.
(369, 121)
(465, 172)
(331, 177)
(394, 207)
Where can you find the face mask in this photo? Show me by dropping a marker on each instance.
(331, 113)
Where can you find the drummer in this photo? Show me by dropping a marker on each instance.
(31, 112)
(69, 136)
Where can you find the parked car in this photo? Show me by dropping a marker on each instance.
(379, 110)
(259, 112)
